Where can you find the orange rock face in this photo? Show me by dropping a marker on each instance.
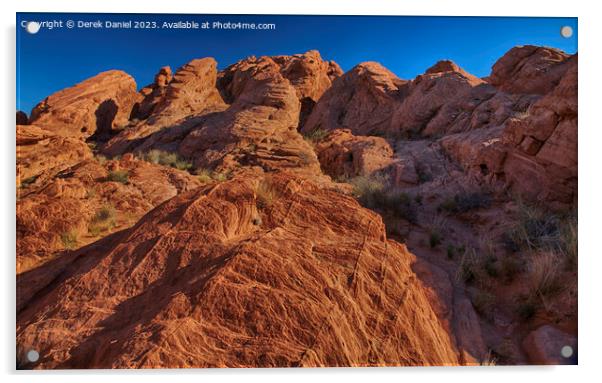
(303, 278)
(98, 104)
(212, 233)
(343, 154)
(82, 204)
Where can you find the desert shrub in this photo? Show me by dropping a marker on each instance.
(490, 266)
(69, 239)
(121, 176)
(544, 275)
(266, 194)
(315, 135)
(526, 307)
(468, 272)
(450, 251)
(103, 220)
(105, 213)
(368, 189)
(204, 175)
(423, 175)
(484, 303)
(434, 238)
(100, 159)
(164, 158)
(28, 181)
(535, 229)
(509, 267)
(464, 202)
(568, 242)
(371, 193)
(220, 177)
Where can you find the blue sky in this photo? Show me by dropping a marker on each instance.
(51, 60)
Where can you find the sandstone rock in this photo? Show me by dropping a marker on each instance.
(223, 277)
(308, 73)
(153, 94)
(63, 213)
(191, 92)
(544, 346)
(41, 154)
(259, 129)
(343, 154)
(529, 69)
(369, 99)
(97, 104)
(22, 118)
(361, 100)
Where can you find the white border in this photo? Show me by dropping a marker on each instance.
(590, 193)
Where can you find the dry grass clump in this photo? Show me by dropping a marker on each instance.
(206, 176)
(103, 221)
(121, 176)
(69, 239)
(164, 158)
(266, 194)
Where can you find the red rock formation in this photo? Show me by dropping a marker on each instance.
(248, 273)
(371, 100)
(535, 152)
(258, 130)
(41, 153)
(367, 91)
(22, 118)
(529, 69)
(191, 92)
(99, 104)
(64, 212)
(343, 154)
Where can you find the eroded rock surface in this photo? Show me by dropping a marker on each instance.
(307, 278)
(95, 105)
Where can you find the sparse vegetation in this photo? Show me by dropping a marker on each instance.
(121, 176)
(315, 135)
(69, 239)
(463, 202)
(468, 272)
(371, 192)
(100, 159)
(103, 220)
(266, 194)
(484, 303)
(164, 158)
(526, 307)
(28, 181)
(423, 174)
(544, 275)
(434, 238)
(510, 267)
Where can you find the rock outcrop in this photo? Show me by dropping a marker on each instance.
(529, 69)
(190, 92)
(305, 277)
(96, 105)
(82, 203)
(341, 154)
(41, 153)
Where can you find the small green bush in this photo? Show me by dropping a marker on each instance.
(28, 181)
(164, 158)
(69, 239)
(315, 135)
(434, 238)
(121, 176)
(464, 202)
